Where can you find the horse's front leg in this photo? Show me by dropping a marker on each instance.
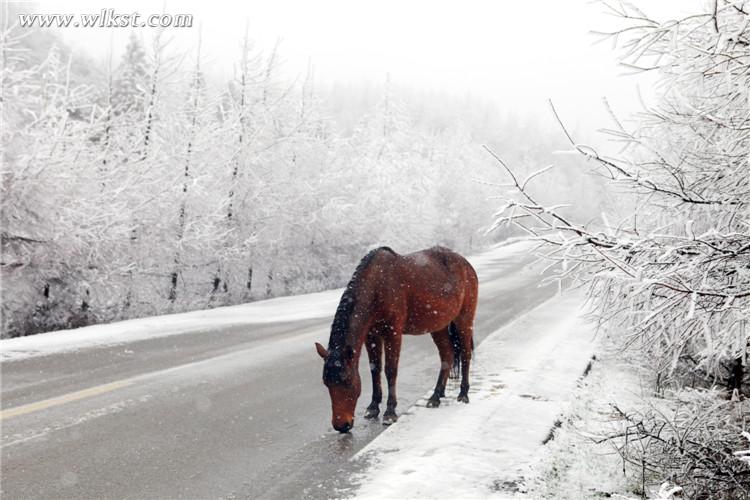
(392, 344)
(374, 345)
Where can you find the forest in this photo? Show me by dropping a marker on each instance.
(144, 185)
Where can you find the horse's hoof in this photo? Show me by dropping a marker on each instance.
(389, 418)
(433, 402)
(463, 398)
(372, 414)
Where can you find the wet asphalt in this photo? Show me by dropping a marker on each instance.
(231, 413)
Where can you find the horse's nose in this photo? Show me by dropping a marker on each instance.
(345, 427)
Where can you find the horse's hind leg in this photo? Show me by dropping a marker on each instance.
(374, 344)
(465, 326)
(445, 349)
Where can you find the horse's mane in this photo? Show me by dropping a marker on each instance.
(340, 326)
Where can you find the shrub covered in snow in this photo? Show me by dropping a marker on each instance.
(689, 440)
(671, 278)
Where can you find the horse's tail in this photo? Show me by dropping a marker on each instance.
(456, 343)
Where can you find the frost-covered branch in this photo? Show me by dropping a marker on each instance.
(673, 277)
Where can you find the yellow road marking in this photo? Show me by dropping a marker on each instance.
(67, 398)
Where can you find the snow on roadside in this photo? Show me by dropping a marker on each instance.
(576, 466)
(283, 309)
(522, 380)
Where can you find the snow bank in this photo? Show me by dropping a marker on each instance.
(284, 309)
(522, 379)
(577, 465)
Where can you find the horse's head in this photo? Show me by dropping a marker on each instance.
(341, 376)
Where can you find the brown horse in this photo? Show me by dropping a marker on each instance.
(389, 295)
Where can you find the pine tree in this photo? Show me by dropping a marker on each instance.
(131, 81)
(197, 91)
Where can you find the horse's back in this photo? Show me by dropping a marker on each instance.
(440, 264)
(436, 285)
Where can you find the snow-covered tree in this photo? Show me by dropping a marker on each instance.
(151, 187)
(131, 80)
(56, 218)
(675, 273)
(670, 277)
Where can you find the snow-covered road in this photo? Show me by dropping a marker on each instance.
(225, 403)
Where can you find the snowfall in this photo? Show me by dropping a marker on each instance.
(523, 378)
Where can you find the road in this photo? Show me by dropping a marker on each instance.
(230, 412)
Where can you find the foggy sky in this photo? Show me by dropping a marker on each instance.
(517, 54)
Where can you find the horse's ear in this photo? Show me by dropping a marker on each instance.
(322, 351)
